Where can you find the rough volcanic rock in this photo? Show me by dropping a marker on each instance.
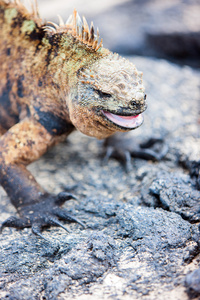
(141, 236)
(176, 192)
(192, 282)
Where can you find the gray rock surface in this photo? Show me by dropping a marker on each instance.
(141, 237)
(192, 282)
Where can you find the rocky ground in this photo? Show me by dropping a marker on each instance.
(141, 239)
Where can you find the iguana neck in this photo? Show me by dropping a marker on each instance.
(66, 56)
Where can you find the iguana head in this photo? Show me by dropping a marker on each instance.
(106, 90)
(110, 97)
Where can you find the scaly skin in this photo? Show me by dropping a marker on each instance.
(53, 80)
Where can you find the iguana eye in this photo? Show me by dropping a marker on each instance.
(102, 94)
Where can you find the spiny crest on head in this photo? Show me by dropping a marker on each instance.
(34, 13)
(78, 29)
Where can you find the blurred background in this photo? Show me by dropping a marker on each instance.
(167, 29)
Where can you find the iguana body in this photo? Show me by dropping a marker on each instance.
(55, 79)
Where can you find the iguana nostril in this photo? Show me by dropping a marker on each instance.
(139, 101)
(133, 103)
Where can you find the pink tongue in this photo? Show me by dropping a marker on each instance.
(128, 117)
(125, 121)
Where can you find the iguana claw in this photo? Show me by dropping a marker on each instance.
(123, 149)
(43, 213)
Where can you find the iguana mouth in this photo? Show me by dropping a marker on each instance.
(130, 122)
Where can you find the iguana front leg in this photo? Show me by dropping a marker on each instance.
(122, 147)
(22, 144)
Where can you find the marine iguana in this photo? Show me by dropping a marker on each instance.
(55, 79)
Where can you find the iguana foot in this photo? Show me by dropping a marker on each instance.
(43, 213)
(123, 148)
